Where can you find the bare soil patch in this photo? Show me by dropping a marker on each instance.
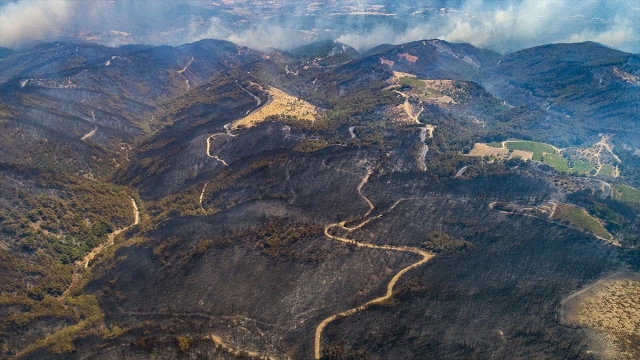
(480, 149)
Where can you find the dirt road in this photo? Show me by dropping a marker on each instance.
(186, 66)
(97, 250)
(425, 256)
(112, 236)
(209, 149)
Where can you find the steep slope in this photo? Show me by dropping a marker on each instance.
(92, 101)
(593, 87)
(434, 59)
(324, 53)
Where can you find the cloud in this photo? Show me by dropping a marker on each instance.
(501, 25)
(33, 20)
(261, 36)
(513, 25)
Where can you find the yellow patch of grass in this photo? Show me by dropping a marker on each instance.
(611, 307)
(280, 103)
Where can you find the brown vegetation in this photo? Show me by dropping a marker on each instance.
(280, 103)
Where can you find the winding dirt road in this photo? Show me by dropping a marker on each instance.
(461, 171)
(112, 236)
(92, 132)
(353, 135)
(428, 128)
(604, 142)
(202, 194)
(84, 263)
(425, 256)
(215, 157)
(407, 107)
(186, 66)
(89, 134)
(258, 101)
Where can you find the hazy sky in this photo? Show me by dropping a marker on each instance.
(501, 25)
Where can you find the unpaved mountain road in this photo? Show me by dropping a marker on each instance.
(425, 256)
(112, 236)
(84, 263)
(208, 151)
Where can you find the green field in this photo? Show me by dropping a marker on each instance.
(557, 162)
(582, 167)
(606, 170)
(626, 193)
(579, 218)
(535, 147)
(495, 144)
(413, 82)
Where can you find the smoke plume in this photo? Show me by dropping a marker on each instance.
(501, 25)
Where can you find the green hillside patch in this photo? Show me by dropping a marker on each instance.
(413, 82)
(495, 144)
(626, 193)
(555, 161)
(538, 149)
(562, 164)
(579, 218)
(582, 167)
(606, 170)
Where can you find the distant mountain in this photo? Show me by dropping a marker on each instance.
(324, 52)
(4, 52)
(587, 83)
(434, 59)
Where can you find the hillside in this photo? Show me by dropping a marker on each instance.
(592, 87)
(420, 200)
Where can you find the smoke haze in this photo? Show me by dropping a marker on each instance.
(503, 26)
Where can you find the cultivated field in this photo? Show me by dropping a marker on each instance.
(531, 150)
(481, 149)
(579, 218)
(538, 149)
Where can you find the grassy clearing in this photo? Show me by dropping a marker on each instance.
(626, 193)
(579, 218)
(611, 306)
(607, 170)
(557, 162)
(495, 144)
(413, 82)
(582, 167)
(535, 147)
(561, 164)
